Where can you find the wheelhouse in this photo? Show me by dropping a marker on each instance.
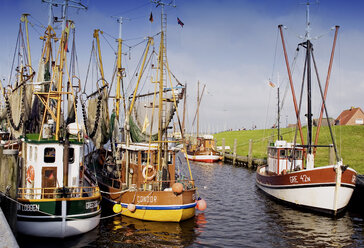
(284, 156)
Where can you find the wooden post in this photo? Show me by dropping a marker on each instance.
(234, 154)
(223, 149)
(331, 155)
(250, 154)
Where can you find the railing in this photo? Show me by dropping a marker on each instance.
(56, 193)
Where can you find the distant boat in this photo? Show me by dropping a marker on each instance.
(201, 148)
(290, 174)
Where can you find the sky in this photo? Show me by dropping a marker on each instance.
(230, 46)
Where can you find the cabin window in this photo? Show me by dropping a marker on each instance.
(49, 155)
(30, 152)
(282, 153)
(298, 155)
(35, 154)
(71, 155)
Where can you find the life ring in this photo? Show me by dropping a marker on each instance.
(30, 174)
(144, 172)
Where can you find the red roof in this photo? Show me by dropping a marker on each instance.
(346, 115)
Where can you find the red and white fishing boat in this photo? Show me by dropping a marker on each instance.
(204, 150)
(290, 174)
(201, 148)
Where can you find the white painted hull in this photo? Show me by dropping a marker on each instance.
(315, 197)
(59, 228)
(204, 158)
(312, 189)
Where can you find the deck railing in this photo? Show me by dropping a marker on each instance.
(57, 192)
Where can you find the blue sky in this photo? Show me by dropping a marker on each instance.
(228, 45)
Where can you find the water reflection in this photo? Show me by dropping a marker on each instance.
(124, 230)
(289, 227)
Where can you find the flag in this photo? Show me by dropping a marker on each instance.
(271, 84)
(151, 17)
(145, 124)
(180, 22)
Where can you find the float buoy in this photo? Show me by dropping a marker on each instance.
(116, 208)
(131, 207)
(152, 175)
(201, 204)
(30, 174)
(177, 188)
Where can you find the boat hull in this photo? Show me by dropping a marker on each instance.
(162, 206)
(58, 218)
(207, 158)
(313, 189)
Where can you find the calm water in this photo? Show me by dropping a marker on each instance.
(238, 214)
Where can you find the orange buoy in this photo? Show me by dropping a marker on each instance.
(30, 174)
(177, 188)
(201, 204)
(131, 207)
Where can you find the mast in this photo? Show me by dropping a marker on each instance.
(308, 46)
(198, 108)
(162, 124)
(24, 19)
(119, 69)
(279, 115)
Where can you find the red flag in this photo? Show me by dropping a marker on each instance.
(151, 17)
(180, 22)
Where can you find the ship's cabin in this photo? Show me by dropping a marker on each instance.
(143, 168)
(284, 157)
(44, 170)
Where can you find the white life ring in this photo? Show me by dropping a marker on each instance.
(144, 172)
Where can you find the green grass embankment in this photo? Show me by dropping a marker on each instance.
(349, 141)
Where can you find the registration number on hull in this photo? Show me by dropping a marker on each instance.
(303, 178)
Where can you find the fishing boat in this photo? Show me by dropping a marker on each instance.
(291, 174)
(53, 200)
(140, 178)
(201, 148)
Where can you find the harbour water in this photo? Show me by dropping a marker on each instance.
(238, 214)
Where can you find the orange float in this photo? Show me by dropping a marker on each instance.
(177, 188)
(201, 204)
(30, 174)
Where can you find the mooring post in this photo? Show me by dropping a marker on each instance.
(223, 149)
(234, 153)
(331, 155)
(250, 154)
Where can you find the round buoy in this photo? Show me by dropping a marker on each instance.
(131, 207)
(30, 174)
(201, 205)
(177, 188)
(116, 208)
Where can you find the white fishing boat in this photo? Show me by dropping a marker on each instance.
(53, 200)
(291, 174)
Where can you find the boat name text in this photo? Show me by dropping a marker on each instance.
(148, 199)
(92, 204)
(29, 207)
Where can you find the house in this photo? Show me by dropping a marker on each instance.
(352, 116)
